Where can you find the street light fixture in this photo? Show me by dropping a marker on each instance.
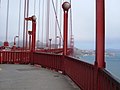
(30, 34)
(66, 6)
(15, 40)
(59, 41)
(50, 42)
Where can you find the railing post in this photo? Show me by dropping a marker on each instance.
(100, 34)
(66, 6)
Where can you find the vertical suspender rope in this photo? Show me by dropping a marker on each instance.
(27, 13)
(71, 35)
(19, 23)
(39, 22)
(7, 20)
(47, 22)
(60, 20)
(0, 3)
(56, 23)
(38, 34)
(60, 14)
(0, 7)
(42, 23)
(24, 25)
(34, 6)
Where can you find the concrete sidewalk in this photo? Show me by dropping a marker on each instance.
(27, 77)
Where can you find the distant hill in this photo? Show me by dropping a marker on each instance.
(113, 50)
(80, 52)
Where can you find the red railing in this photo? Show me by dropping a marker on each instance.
(106, 81)
(89, 77)
(55, 50)
(83, 74)
(48, 60)
(86, 76)
(21, 57)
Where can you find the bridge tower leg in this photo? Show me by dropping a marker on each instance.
(100, 33)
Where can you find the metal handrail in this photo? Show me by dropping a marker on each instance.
(85, 75)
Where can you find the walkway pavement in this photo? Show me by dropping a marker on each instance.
(27, 77)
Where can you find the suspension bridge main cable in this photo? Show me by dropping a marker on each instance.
(57, 19)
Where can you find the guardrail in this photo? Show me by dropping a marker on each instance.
(83, 74)
(51, 61)
(89, 77)
(21, 57)
(106, 81)
(86, 76)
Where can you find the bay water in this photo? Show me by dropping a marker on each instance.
(112, 63)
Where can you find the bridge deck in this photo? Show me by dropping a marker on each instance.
(27, 77)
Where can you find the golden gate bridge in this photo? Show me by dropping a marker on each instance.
(58, 56)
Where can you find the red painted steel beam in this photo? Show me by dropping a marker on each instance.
(66, 6)
(100, 33)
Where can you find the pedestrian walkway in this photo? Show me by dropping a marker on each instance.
(27, 77)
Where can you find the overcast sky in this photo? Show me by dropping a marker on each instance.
(83, 16)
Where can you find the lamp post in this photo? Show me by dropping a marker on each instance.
(15, 40)
(50, 42)
(59, 41)
(30, 34)
(66, 6)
